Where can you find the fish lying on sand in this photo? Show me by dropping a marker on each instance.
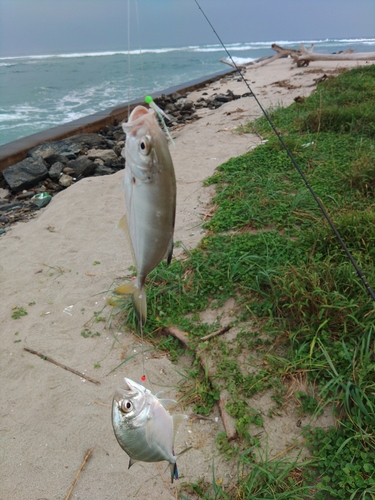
(143, 427)
(150, 195)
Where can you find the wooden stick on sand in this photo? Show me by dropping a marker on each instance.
(87, 456)
(47, 358)
(215, 334)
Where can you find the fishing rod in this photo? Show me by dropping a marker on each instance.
(298, 168)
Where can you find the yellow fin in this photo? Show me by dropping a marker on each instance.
(112, 301)
(123, 224)
(139, 299)
(126, 289)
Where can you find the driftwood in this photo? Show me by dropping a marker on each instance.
(236, 66)
(303, 56)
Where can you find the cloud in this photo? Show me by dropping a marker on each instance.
(52, 26)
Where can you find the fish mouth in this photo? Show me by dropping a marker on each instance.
(134, 386)
(129, 384)
(130, 390)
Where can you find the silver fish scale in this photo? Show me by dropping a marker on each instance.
(145, 434)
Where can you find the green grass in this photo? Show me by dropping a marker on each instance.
(300, 306)
(18, 312)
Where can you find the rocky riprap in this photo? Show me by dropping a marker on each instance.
(54, 166)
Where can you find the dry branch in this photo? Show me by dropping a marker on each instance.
(228, 422)
(236, 66)
(87, 456)
(47, 358)
(215, 334)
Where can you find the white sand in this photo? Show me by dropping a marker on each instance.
(49, 265)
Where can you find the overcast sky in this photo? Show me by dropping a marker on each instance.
(59, 26)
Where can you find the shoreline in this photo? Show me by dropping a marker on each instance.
(59, 267)
(15, 151)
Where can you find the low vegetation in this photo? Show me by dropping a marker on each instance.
(300, 310)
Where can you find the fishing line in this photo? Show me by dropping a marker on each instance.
(128, 58)
(139, 45)
(143, 376)
(298, 168)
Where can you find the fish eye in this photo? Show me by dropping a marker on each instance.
(126, 406)
(145, 146)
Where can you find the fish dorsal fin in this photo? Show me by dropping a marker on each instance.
(167, 403)
(177, 419)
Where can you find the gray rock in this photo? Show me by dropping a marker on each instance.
(25, 174)
(223, 98)
(118, 148)
(55, 170)
(170, 108)
(107, 155)
(25, 195)
(119, 135)
(11, 206)
(65, 180)
(58, 158)
(4, 194)
(88, 140)
(82, 166)
(51, 149)
(103, 170)
(69, 148)
(184, 104)
(68, 171)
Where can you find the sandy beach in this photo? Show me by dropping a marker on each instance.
(59, 267)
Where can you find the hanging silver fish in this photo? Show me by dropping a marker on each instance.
(143, 427)
(150, 195)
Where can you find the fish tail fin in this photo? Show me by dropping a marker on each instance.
(139, 299)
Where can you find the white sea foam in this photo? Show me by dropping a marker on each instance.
(248, 45)
(241, 60)
(58, 88)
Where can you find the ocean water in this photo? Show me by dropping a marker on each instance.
(39, 92)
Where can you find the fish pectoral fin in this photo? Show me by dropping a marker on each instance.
(112, 301)
(131, 462)
(123, 224)
(139, 299)
(126, 289)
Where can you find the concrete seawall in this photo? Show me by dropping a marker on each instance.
(16, 151)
